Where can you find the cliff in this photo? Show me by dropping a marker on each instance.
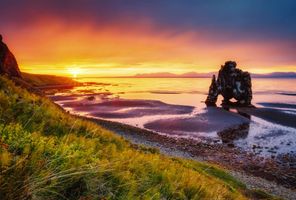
(8, 63)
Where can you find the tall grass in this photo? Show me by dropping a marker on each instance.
(46, 153)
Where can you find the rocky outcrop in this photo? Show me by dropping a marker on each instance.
(213, 93)
(231, 83)
(8, 63)
(9, 67)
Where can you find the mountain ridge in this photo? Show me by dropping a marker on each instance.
(209, 74)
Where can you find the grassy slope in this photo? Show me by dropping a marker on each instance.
(46, 153)
(45, 80)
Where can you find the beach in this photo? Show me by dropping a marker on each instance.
(250, 142)
(255, 172)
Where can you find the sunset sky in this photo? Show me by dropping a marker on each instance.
(126, 37)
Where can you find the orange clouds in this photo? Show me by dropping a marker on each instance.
(53, 46)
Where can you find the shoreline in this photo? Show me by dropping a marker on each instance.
(272, 175)
(251, 170)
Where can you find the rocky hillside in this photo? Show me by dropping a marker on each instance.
(8, 63)
(31, 82)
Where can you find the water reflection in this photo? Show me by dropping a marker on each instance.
(228, 136)
(272, 130)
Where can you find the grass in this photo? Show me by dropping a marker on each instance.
(45, 80)
(212, 170)
(46, 153)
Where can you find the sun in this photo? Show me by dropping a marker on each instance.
(74, 72)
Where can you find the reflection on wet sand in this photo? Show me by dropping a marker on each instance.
(228, 136)
(259, 140)
(173, 107)
(125, 108)
(213, 119)
(272, 115)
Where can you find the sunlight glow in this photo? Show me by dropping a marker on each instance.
(74, 72)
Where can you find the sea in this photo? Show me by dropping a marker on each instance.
(142, 101)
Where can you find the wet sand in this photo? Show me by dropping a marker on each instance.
(278, 105)
(273, 115)
(227, 126)
(212, 119)
(267, 131)
(124, 108)
(210, 134)
(250, 142)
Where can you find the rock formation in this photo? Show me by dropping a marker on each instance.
(213, 93)
(8, 64)
(231, 83)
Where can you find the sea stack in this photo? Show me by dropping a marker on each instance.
(231, 83)
(8, 63)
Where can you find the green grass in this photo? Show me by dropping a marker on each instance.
(46, 153)
(214, 171)
(45, 80)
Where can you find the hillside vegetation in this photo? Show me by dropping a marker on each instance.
(46, 153)
(47, 80)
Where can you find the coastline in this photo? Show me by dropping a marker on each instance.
(71, 157)
(251, 170)
(271, 175)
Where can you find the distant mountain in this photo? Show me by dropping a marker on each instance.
(171, 75)
(208, 75)
(275, 75)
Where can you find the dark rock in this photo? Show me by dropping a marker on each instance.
(213, 93)
(231, 145)
(91, 98)
(9, 67)
(234, 133)
(231, 83)
(8, 64)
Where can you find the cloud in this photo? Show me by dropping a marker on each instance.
(137, 34)
(239, 18)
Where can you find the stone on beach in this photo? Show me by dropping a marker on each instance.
(231, 83)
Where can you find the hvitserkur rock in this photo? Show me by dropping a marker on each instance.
(231, 83)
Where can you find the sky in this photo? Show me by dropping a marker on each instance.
(126, 37)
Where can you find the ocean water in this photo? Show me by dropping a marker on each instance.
(191, 91)
(175, 107)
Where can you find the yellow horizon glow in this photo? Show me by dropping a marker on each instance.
(80, 71)
(118, 51)
(74, 71)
